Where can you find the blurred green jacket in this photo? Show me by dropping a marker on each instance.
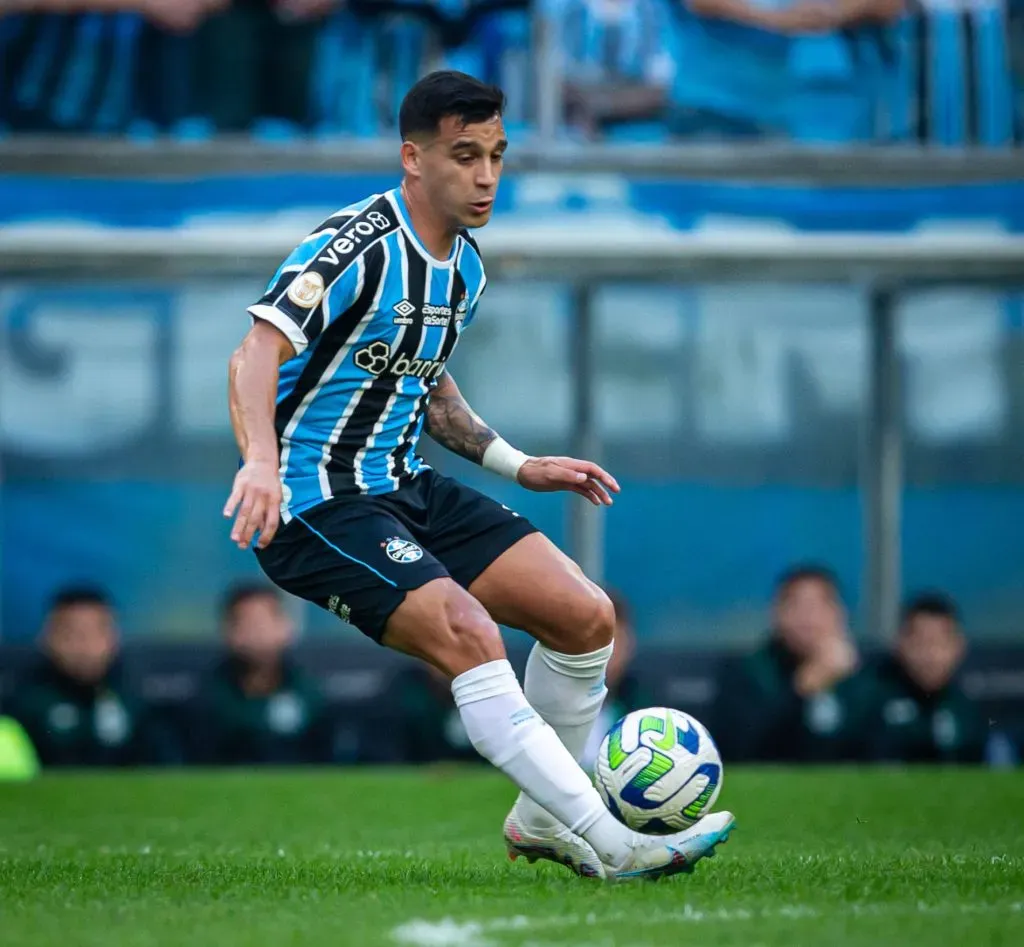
(289, 726)
(759, 717)
(897, 721)
(76, 724)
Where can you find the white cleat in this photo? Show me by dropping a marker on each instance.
(657, 857)
(557, 844)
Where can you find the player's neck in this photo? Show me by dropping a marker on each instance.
(432, 231)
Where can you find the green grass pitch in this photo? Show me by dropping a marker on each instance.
(392, 857)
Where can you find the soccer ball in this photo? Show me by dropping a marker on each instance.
(658, 770)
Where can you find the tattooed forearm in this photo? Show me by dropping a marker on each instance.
(453, 424)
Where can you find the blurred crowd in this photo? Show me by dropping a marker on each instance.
(804, 696)
(938, 71)
(807, 695)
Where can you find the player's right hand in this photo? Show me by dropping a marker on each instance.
(835, 658)
(256, 495)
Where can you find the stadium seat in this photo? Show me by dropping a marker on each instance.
(732, 81)
(828, 101)
(639, 132)
(898, 83)
(992, 85)
(947, 100)
(344, 77)
(28, 91)
(10, 27)
(406, 38)
(194, 129)
(508, 41)
(69, 102)
(275, 130)
(118, 100)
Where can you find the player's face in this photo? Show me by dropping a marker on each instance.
(259, 630)
(82, 641)
(930, 647)
(806, 614)
(460, 169)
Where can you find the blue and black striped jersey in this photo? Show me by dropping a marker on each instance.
(373, 318)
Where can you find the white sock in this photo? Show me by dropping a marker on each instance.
(509, 733)
(567, 690)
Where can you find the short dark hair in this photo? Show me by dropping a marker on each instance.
(242, 592)
(807, 572)
(933, 604)
(72, 595)
(444, 93)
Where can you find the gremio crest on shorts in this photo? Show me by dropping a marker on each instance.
(402, 550)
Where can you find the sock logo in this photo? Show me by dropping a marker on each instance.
(521, 716)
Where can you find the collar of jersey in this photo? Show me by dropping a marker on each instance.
(395, 197)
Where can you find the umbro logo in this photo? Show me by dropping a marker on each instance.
(432, 315)
(405, 309)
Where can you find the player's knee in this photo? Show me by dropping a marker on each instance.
(595, 620)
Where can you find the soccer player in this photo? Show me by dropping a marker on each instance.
(341, 372)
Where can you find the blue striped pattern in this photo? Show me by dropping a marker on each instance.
(310, 471)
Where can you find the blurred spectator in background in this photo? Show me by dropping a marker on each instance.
(624, 693)
(196, 65)
(787, 700)
(911, 709)
(430, 726)
(808, 69)
(257, 706)
(82, 65)
(617, 60)
(169, 14)
(233, 82)
(76, 707)
(1015, 54)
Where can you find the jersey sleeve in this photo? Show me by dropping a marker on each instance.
(299, 302)
(324, 276)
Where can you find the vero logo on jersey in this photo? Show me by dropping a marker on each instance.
(376, 359)
(355, 235)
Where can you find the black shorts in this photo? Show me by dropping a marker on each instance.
(357, 556)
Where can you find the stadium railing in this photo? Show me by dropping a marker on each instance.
(885, 267)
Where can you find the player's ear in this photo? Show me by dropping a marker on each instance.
(411, 158)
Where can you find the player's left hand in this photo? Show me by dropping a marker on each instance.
(548, 474)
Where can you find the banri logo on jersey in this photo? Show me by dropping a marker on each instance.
(376, 359)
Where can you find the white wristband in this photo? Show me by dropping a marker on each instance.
(504, 459)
